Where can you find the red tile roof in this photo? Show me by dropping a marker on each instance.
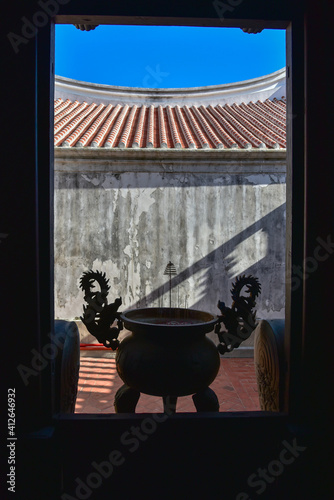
(236, 126)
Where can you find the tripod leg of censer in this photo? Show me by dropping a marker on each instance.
(206, 400)
(169, 404)
(126, 399)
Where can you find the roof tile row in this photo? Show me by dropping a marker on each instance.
(236, 126)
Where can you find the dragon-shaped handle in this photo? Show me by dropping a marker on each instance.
(239, 320)
(98, 315)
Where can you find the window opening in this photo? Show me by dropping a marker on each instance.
(145, 177)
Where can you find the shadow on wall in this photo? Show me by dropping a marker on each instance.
(219, 267)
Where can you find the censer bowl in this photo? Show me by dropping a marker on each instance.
(167, 352)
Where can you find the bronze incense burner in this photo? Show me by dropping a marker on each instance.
(167, 352)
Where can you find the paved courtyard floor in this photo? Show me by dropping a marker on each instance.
(235, 386)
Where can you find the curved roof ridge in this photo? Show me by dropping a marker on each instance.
(260, 88)
(279, 73)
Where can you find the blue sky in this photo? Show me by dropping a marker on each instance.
(166, 56)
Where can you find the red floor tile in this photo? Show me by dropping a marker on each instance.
(235, 386)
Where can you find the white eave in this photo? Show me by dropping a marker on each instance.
(264, 87)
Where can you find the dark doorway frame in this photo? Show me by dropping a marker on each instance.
(198, 439)
(64, 19)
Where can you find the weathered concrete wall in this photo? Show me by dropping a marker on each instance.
(214, 218)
